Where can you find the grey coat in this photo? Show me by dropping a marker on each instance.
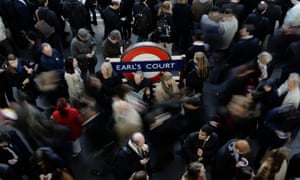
(79, 49)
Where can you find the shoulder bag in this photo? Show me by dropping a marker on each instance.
(43, 27)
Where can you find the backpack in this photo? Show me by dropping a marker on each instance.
(140, 23)
(163, 29)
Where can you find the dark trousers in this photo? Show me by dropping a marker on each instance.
(88, 67)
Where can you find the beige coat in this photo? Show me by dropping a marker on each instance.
(75, 85)
(161, 95)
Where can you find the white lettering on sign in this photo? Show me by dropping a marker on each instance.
(156, 66)
(131, 67)
(151, 66)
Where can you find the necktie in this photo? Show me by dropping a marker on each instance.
(204, 143)
(140, 152)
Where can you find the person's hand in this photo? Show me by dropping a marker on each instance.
(200, 159)
(49, 176)
(1, 70)
(42, 176)
(45, 177)
(190, 106)
(267, 88)
(242, 163)
(199, 152)
(26, 81)
(28, 70)
(144, 161)
(214, 123)
(147, 91)
(145, 148)
(89, 55)
(280, 133)
(12, 161)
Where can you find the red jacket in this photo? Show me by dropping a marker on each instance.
(73, 121)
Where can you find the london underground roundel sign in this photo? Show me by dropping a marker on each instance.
(145, 52)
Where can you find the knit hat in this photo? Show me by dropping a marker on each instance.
(83, 34)
(115, 35)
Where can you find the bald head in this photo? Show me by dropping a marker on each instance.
(138, 138)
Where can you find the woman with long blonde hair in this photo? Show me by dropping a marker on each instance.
(197, 71)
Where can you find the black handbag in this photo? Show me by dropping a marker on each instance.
(43, 27)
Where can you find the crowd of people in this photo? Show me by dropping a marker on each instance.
(134, 124)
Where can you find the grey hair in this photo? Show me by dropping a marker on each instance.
(295, 77)
(264, 57)
(108, 67)
(45, 44)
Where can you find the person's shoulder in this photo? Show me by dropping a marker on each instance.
(126, 150)
(55, 51)
(43, 58)
(70, 108)
(130, 82)
(147, 81)
(67, 75)
(46, 10)
(106, 10)
(106, 42)
(42, 9)
(55, 114)
(206, 20)
(91, 39)
(74, 39)
(57, 55)
(193, 135)
(214, 136)
(99, 75)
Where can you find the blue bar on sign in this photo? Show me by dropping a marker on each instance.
(148, 66)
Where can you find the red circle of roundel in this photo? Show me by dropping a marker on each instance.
(143, 48)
